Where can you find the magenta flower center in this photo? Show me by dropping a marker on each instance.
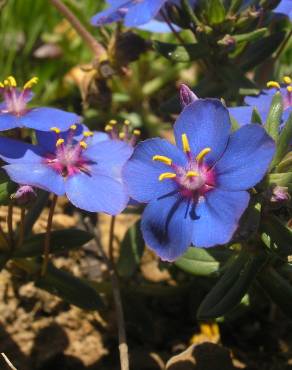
(195, 178)
(69, 157)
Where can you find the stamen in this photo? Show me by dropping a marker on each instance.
(83, 144)
(59, 142)
(137, 132)
(87, 133)
(29, 84)
(108, 128)
(289, 89)
(122, 135)
(12, 81)
(113, 122)
(1, 85)
(73, 127)
(166, 175)
(287, 80)
(273, 84)
(126, 122)
(55, 129)
(202, 154)
(185, 143)
(163, 159)
(192, 174)
(6, 83)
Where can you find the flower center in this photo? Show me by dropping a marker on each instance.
(195, 178)
(69, 157)
(15, 100)
(286, 93)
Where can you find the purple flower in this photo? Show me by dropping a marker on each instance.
(86, 167)
(15, 113)
(285, 7)
(196, 192)
(135, 13)
(24, 195)
(262, 102)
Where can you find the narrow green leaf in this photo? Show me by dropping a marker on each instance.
(61, 240)
(181, 53)
(132, 248)
(233, 285)
(274, 117)
(256, 118)
(250, 36)
(63, 284)
(203, 262)
(286, 163)
(283, 143)
(278, 288)
(280, 179)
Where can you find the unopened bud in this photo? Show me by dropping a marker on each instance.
(24, 195)
(280, 194)
(186, 95)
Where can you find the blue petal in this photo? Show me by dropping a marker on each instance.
(13, 151)
(44, 118)
(262, 102)
(285, 7)
(241, 114)
(143, 12)
(109, 156)
(96, 193)
(38, 175)
(8, 121)
(218, 215)
(206, 123)
(113, 14)
(246, 159)
(141, 173)
(166, 228)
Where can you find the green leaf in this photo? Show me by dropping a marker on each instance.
(215, 12)
(255, 117)
(7, 187)
(275, 115)
(280, 179)
(278, 288)
(203, 262)
(285, 164)
(283, 143)
(276, 235)
(233, 285)
(181, 53)
(132, 248)
(260, 50)
(61, 240)
(250, 36)
(63, 284)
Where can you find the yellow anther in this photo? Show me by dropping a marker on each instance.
(137, 132)
(108, 128)
(202, 154)
(6, 83)
(29, 84)
(166, 175)
(185, 143)
(192, 174)
(287, 80)
(87, 133)
(83, 144)
(122, 135)
(289, 89)
(1, 84)
(55, 129)
(163, 159)
(126, 122)
(12, 81)
(113, 122)
(273, 84)
(59, 142)
(73, 127)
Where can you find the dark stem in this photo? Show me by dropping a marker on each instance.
(48, 236)
(21, 227)
(284, 43)
(95, 46)
(10, 226)
(173, 30)
(111, 239)
(123, 346)
(188, 9)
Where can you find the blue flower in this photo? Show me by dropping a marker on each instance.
(15, 113)
(196, 191)
(135, 13)
(262, 103)
(285, 7)
(84, 166)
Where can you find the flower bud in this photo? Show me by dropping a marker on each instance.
(24, 195)
(186, 95)
(280, 194)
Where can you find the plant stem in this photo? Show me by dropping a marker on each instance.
(48, 236)
(10, 226)
(8, 362)
(97, 49)
(123, 346)
(111, 239)
(21, 227)
(188, 9)
(173, 30)
(284, 43)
